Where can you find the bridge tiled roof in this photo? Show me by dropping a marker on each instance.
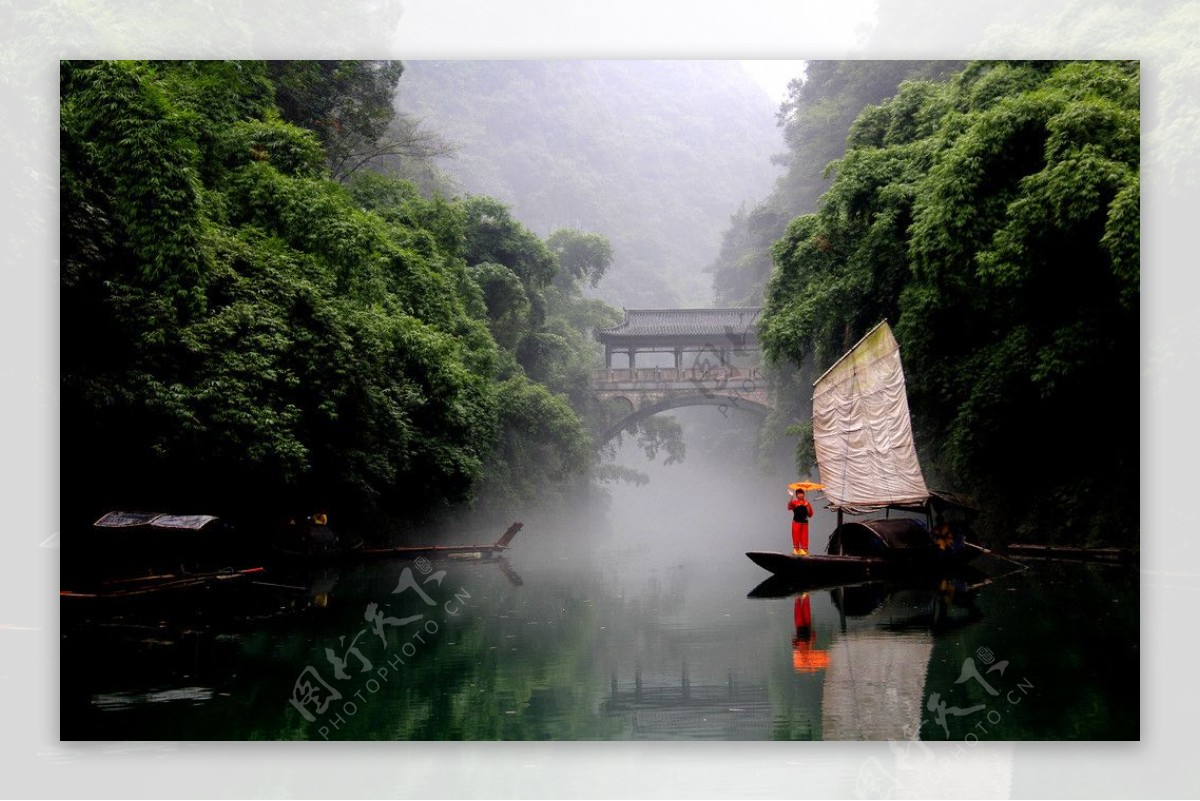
(642, 323)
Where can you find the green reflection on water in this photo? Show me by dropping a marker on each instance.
(613, 642)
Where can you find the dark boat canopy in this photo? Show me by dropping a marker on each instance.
(871, 537)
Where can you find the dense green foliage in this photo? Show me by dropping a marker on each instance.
(815, 120)
(995, 221)
(651, 154)
(347, 103)
(244, 335)
(260, 333)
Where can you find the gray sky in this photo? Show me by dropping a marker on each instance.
(773, 76)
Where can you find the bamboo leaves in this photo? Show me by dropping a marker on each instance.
(996, 218)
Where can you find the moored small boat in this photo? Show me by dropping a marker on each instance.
(151, 555)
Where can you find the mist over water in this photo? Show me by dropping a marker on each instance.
(718, 500)
(626, 618)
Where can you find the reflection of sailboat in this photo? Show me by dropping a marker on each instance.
(875, 668)
(868, 462)
(875, 684)
(948, 604)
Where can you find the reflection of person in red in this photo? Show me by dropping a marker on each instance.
(806, 658)
(801, 511)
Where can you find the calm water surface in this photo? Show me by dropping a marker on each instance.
(625, 626)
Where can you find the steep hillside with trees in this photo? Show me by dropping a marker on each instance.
(995, 220)
(654, 156)
(249, 337)
(815, 119)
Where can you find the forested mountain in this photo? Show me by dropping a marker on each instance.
(654, 156)
(249, 337)
(269, 322)
(995, 220)
(816, 120)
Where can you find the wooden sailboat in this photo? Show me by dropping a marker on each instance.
(868, 463)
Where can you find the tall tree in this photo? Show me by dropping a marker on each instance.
(348, 104)
(582, 257)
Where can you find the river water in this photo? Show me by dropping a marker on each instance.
(636, 619)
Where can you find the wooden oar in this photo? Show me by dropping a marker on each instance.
(981, 549)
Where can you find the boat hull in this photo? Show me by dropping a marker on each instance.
(816, 569)
(827, 569)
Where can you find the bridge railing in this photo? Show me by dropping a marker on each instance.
(661, 375)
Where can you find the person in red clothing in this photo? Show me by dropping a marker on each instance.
(801, 511)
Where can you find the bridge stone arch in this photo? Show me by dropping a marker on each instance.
(725, 403)
(698, 357)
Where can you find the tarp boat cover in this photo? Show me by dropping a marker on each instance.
(863, 432)
(154, 520)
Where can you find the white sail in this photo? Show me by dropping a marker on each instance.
(862, 429)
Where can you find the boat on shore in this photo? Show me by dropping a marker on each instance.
(868, 464)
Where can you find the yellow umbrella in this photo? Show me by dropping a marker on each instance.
(806, 486)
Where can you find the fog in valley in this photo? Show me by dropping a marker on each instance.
(722, 498)
(654, 155)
